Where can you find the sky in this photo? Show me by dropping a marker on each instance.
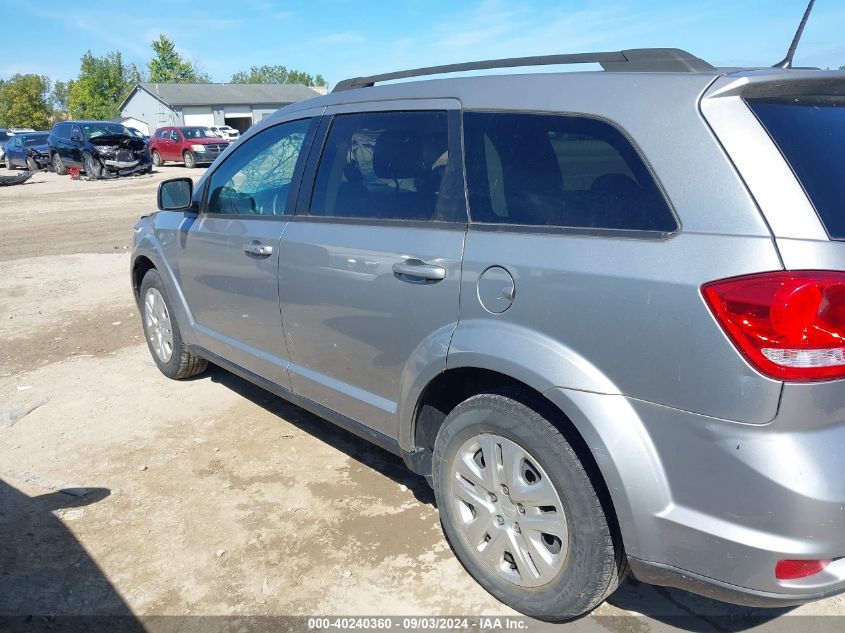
(347, 38)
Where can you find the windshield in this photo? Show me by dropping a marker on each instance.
(34, 139)
(93, 130)
(810, 132)
(198, 132)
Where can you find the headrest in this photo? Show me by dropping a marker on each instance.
(398, 154)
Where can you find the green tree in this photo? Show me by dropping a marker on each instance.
(59, 98)
(102, 83)
(25, 101)
(842, 68)
(276, 75)
(168, 66)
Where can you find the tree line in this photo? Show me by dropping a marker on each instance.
(34, 101)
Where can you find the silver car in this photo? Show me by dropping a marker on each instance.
(602, 313)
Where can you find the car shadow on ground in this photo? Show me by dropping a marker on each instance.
(360, 450)
(688, 611)
(48, 581)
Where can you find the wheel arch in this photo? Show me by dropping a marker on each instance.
(604, 430)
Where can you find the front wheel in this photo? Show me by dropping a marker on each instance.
(190, 160)
(93, 167)
(162, 332)
(58, 165)
(156, 158)
(520, 511)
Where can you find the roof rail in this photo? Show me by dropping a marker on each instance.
(632, 60)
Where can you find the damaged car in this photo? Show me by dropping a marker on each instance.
(101, 149)
(29, 151)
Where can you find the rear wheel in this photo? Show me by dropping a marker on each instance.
(9, 163)
(190, 160)
(162, 332)
(93, 167)
(58, 165)
(156, 158)
(520, 511)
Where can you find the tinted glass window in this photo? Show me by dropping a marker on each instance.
(810, 131)
(384, 165)
(256, 178)
(76, 131)
(174, 135)
(163, 133)
(550, 170)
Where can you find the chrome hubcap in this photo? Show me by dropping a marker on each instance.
(157, 325)
(509, 512)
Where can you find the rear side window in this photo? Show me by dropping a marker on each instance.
(810, 132)
(384, 165)
(564, 171)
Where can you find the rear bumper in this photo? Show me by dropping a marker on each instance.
(668, 576)
(711, 505)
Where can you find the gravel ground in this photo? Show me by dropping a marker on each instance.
(209, 496)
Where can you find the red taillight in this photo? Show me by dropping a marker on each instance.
(790, 325)
(794, 569)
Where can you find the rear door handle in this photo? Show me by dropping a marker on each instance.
(414, 271)
(257, 248)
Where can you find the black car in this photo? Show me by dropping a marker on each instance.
(99, 148)
(28, 150)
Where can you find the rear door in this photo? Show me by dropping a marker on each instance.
(229, 254)
(369, 269)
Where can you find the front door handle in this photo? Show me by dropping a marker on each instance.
(415, 271)
(257, 248)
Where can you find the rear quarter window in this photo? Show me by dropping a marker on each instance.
(810, 133)
(557, 170)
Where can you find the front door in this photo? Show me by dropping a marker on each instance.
(229, 255)
(370, 266)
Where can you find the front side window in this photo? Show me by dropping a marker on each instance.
(174, 135)
(563, 171)
(76, 132)
(384, 165)
(255, 179)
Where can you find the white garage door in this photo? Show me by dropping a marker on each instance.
(198, 115)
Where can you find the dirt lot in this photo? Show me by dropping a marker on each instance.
(208, 496)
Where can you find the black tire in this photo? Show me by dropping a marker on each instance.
(9, 164)
(592, 567)
(182, 364)
(92, 166)
(58, 165)
(31, 164)
(157, 158)
(190, 160)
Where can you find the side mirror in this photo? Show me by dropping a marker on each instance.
(175, 194)
(75, 139)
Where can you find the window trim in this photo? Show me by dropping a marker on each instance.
(576, 231)
(454, 125)
(296, 178)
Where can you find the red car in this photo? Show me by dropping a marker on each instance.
(188, 144)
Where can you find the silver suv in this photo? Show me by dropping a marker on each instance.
(603, 313)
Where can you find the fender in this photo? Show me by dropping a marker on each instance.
(147, 245)
(610, 427)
